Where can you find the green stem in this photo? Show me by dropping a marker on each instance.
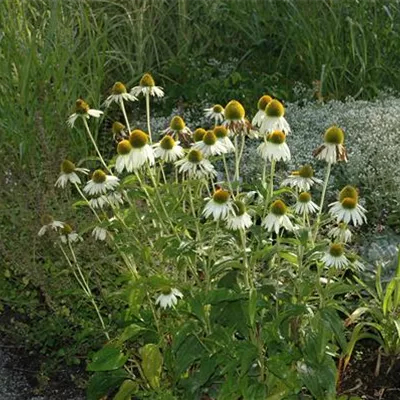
(328, 172)
(236, 178)
(85, 286)
(148, 115)
(167, 216)
(87, 201)
(264, 176)
(211, 257)
(271, 192)
(95, 145)
(159, 197)
(125, 115)
(278, 245)
(149, 199)
(162, 171)
(153, 311)
(248, 282)
(227, 175)
(239, 157)
(194, 213)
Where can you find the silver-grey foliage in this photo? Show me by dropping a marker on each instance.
(372, 133)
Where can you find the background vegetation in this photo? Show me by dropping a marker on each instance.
(53, 51)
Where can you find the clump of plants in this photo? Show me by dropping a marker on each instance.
(228, 289)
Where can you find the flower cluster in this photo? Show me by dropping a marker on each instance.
(182, 166)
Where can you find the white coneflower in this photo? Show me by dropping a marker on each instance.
(113, 199)
(235, 120)
(68, 235)
(277, 218)
(196, 165)
(68, 174)
(118, 94)
(302, 179)
(215, 113)
(210, 145)
(341, 233)
(100, 183)
(141, 151)
(335, 257)
(168, 149)
(347, 208)
(333, 149)
(118, 131)
(219, 206)
(198, 134)
(260, 115)
(82, 110)
(147, 86)
(178, 128)
(240, 219)
(99, 233)
(124, 160)
(305, 205)
(274, 147)
(168, 297)
(222, 135)
(49, 224)
(274, 118)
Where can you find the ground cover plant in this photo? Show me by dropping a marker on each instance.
(226, 288)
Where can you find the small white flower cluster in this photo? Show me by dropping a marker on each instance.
(67, 234)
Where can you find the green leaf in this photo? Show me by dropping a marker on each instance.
(252, 306)
(125, 391)
(292, 258)
(107, 359)
(152, 362)
(189, 351)
(336, 324)
(388, 300)
(101, 383)
(319, 380)
(217, 296)
(135, 299)
(130, 332)
(397, 325)
(256, 390)
(247, 353)
(200, 377)
(129, 179)
(80, 203)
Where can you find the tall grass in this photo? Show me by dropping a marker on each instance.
(349, 46)
(52, 52)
